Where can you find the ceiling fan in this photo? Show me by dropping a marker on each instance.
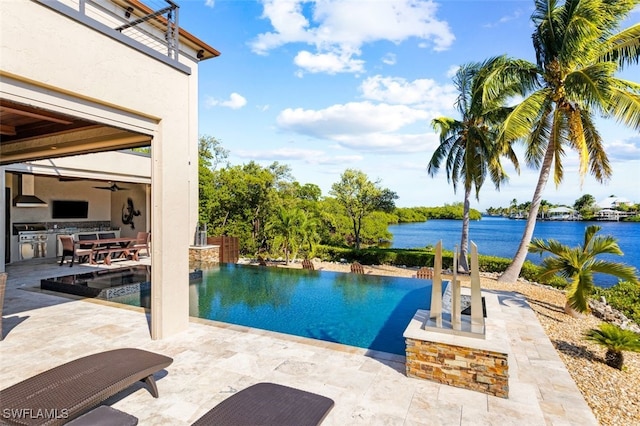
(113, 187)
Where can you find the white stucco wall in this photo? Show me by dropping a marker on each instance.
(64, 66)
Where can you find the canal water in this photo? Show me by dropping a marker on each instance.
(497, 236)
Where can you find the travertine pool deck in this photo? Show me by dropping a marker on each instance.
(213, 360)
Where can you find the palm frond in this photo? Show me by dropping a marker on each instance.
(578, 142)
(624, 272)
(589, 86)
(582, 29)
(600, 167)
(614, 338)
(625, 103)
(623, 48)
(589, 233)
(519, 123)
(579, 290)
(605, 244)
(556, 144)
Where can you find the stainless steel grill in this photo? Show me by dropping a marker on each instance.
(32, 240)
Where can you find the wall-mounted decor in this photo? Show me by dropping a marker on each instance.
(128, 213)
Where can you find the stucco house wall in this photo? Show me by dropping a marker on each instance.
(56, 63)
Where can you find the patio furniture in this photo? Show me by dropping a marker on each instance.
(142, 242)
(106, 236)
(357, 268)
(269, 404)
(72, 389)
(3, 286)
(307, 264)
(87, 237)
(69, 249)
(425, 273)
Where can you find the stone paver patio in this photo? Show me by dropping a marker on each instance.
(213, 360)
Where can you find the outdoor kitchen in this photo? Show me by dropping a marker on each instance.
(42, 207)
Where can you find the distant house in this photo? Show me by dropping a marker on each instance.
(613, 202)
(562, 213)
(612, 215)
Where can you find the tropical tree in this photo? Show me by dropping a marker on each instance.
(578, 264)
(360, 197)
(468, 146)
(210, 154)
(287, 225)
(578, 51)
(616, 340)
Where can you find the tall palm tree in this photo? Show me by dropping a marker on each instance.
(468, 146)
(286, 225)
(578, 264)
(578, 51)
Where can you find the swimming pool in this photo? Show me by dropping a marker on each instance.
(359, 310)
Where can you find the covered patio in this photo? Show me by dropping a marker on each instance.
(133, 82)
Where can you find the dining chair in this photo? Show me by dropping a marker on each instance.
(69, 249)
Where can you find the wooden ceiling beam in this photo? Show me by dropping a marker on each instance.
(33, 114)
(5, 129)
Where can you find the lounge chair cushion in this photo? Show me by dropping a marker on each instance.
(269, 404)
(72, 389)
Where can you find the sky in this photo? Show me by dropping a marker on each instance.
(327, 85)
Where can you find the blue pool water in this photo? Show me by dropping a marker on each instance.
(358, 310)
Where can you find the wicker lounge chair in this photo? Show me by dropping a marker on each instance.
(425, 273)
(72, 389)
(3, 285)
(307, 264)
(357, 268)
(269, 404)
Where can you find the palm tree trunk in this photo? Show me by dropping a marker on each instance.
(511, 274)
(464, 239)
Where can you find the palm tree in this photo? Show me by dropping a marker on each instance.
(616, 340)
(468, 146)
(578, 265)
(286, 224)
(578, 51)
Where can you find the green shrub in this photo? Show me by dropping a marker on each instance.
(625, 297)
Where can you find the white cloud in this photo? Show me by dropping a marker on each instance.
(363, 126)
(623, 150)
(235, 101)
(421, 92)
(210, 3)
(338, 28)
(390, 143)
(515, 15)
(307, 156)
(389, 59)
(354, 118)
(330, 63)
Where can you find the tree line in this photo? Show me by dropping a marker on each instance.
(273, 214)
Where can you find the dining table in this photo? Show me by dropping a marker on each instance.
(122, 246)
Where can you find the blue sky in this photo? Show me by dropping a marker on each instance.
(327, 85)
